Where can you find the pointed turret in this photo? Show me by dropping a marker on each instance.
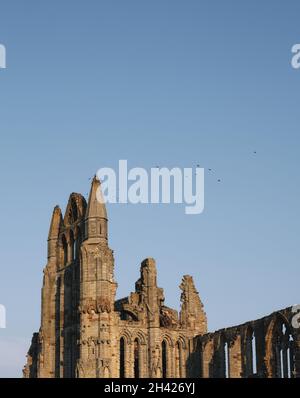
(55, 225)
(96, 215)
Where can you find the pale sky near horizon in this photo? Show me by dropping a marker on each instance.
(170, 83)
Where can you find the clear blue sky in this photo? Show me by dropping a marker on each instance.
(173, 83)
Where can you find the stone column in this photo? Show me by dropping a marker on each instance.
(208, 349)
(296, 350)
(235, 361)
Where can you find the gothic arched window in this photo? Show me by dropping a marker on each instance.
(164, 358)
(78, 243)
(122, 357)
(226, 358)
(65, 250)
(250, 347)
(136, 358)
(283, 351)
(72, 246)
(178, 354)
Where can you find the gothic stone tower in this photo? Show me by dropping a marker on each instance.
(84, 331)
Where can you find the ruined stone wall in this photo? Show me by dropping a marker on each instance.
(267, 347)
(84, 331)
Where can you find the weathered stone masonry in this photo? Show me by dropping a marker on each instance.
(267, 347)
(86, 332)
